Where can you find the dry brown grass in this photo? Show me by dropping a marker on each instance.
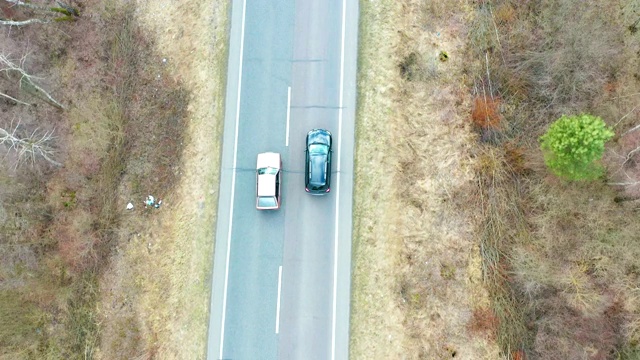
(376, 320)
(156, 293)
(417, 279)
(558, 260)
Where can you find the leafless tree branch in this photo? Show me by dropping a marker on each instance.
(27, 5)
(625, 115)
(26, 82)
(31, 147)
(630, 183)
(63, 11)
(14, 99)
(630, 154)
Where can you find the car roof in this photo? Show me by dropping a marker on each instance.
(266, 185)
(318, 163)
(268, 159)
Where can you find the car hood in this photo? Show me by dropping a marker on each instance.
(319, 137)
(266, 160)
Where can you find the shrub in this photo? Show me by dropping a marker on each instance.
(573, 145)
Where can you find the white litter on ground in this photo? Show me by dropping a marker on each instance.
(151, 201)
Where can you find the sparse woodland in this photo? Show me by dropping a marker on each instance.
(78, 85)
(474, 86)
(560, 257)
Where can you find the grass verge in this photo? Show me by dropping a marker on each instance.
(160, 307)
(414, 249)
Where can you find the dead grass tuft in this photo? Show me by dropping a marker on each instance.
(484, 322)
(505, 14)
(485, 112)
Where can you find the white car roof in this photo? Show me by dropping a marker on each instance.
(268, 159)
(266, 185)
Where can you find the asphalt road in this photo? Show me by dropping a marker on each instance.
(281, 280)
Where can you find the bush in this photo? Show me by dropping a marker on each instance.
(573, 145)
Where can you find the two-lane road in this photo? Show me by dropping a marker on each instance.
(281, 279)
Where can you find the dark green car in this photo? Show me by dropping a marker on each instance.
(317, 175)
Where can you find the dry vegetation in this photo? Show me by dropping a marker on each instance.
(417, 287)
(80, 276)
(563, 257)
(557, 275)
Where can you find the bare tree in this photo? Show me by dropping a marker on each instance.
(26, 82)
(29, 148)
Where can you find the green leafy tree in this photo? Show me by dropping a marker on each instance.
(573, 146)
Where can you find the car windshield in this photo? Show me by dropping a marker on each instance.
(267, 171)
(318, 149)
(267, 202)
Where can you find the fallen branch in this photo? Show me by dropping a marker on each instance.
(24, 22)
(630, 154)
(69, 12)
(14, 99)
(632, 183)
(630, 130)
(625, 115)
(27, 5)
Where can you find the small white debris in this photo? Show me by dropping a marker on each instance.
(129, 206)
(164, 61)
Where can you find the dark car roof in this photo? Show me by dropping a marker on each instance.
(318, 163)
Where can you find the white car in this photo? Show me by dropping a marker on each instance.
(268, 181)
